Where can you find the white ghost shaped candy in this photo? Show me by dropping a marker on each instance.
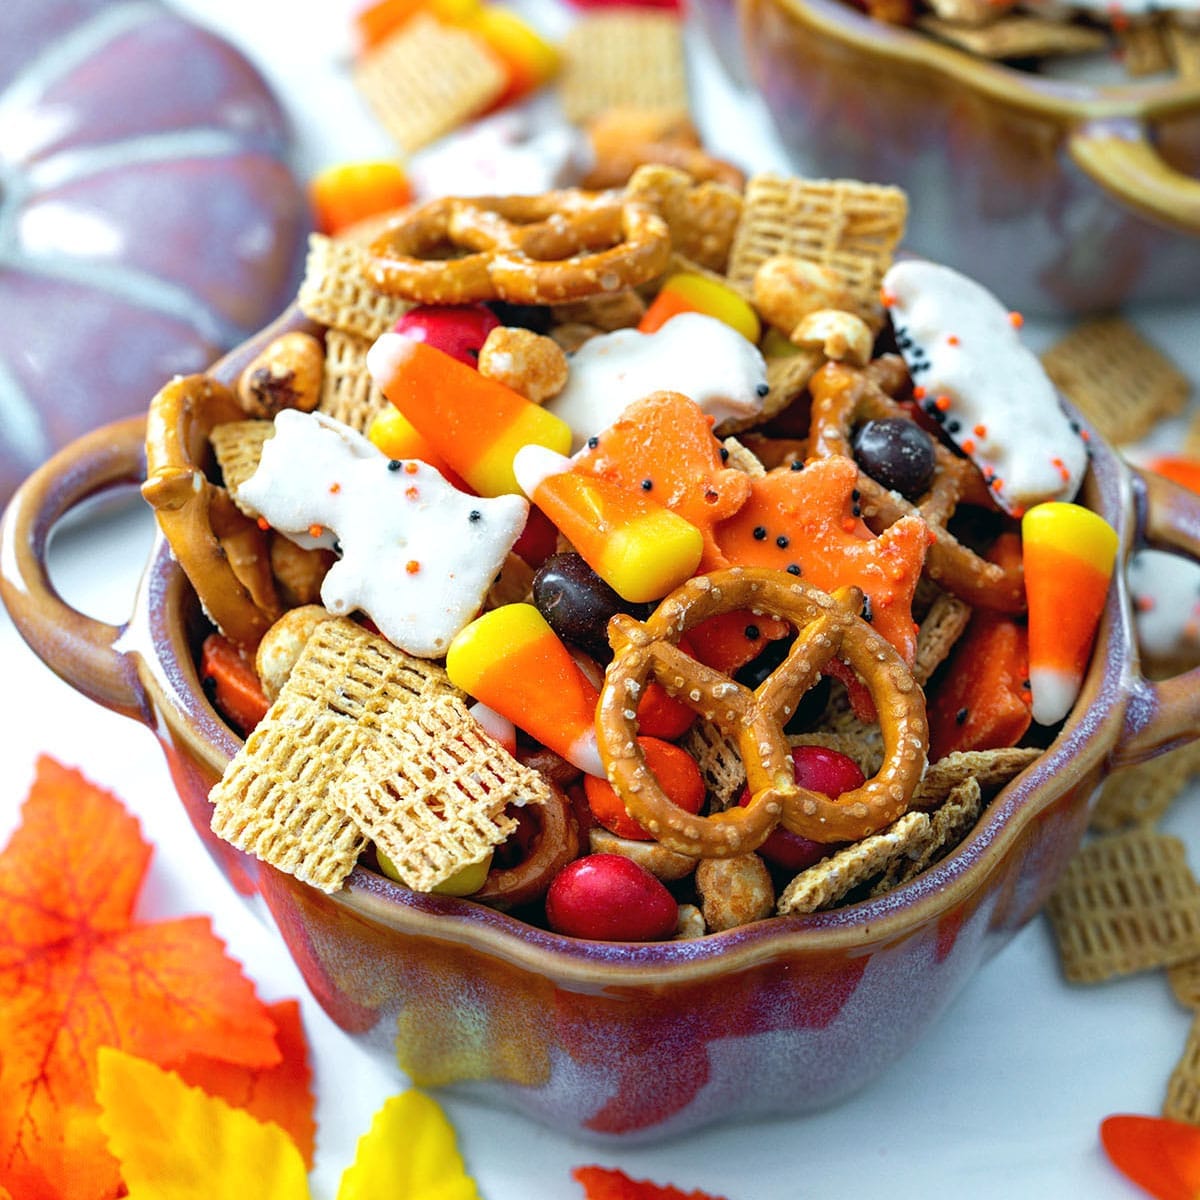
(417, 555)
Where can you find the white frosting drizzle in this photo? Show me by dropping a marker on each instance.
(417, 555)
(988, 389)
(695, 354)
(1166, 602)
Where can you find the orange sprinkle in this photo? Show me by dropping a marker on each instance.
(849, 524)
(918, 393)
(410, 468)
(996, 483)
(952, 340)
(1145, 603)
(412, 566)
(942, 403)
(980, 431)
(968, 446)
(334, 488)
(1061, 467)
(886, 298)
(1016, 320)
(315, 531)
(411, 493)
(1084, 435)
(264, 524)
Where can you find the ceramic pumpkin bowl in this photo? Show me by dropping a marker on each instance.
(606, 1039)
(148, 220)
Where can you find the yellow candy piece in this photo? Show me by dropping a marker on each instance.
(464, 882)
(687, 292)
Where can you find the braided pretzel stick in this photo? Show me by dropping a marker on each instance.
(843, 396)
(826, 627)
(562, 245)
(223, 552)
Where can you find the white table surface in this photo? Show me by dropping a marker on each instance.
(1002, 1099)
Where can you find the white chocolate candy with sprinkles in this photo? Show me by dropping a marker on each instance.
(417, 555)
(1165, 589)
(987, 389)
(705, 359)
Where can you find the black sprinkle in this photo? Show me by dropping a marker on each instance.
(472, 352)
(647, 484)
(868, 612)
(763, 389)
(724, 454)
(474, 515)
(797, 465)
(752, 633)
(394, 464)
(337, 547)
(856, 495)
(593, 442)
(760, 533)
(794, 569)
(960, 717)
(856, 510)
(953, 426)
(782, 541)
(1026, 684)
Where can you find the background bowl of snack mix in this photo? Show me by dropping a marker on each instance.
(637, 1040)
(1054, 156)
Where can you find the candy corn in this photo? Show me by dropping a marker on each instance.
(393, 433)
(640, 548)
(511, 660)
(529, 59)
(689, 292)
(350, 192)
(475, 424)
(1068, 554)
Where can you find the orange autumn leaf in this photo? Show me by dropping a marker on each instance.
(607, 1183)
(77, 973)
(1160, 1155)
(282, 1093)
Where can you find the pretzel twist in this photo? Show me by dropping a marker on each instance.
(827, 627)
(842, 397)
(559, 246)
(224, 554)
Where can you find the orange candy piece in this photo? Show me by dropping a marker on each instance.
(983, 701)
(1160, 1155)
(805, 521)
(667, 439)
(345, 194)
(676, 771)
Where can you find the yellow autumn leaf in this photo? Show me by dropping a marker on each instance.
(176, 1142)
(409, 1153)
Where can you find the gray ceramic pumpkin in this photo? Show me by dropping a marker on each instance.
(148, 220)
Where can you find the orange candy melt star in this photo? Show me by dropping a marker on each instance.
(1160, 1155)
(805, 521)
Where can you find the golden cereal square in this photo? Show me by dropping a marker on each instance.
(428, 78)
(623, 58)
(1127, 902)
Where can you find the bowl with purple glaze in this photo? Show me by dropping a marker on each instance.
(1059, 195)
(609, 1040)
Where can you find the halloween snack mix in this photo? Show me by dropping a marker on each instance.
(630, 639)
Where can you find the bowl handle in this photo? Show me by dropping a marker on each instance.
(1164, 714)
(76, 647)
(1119, 156)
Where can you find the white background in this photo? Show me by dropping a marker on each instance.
(1002, 1099)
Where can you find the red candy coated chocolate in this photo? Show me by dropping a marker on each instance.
(610, 898)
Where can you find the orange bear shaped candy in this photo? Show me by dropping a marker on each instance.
(664, 445)
(806, 522)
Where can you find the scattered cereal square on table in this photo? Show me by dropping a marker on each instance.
(1182, 1101)
(427, 79)
(1140, 794)
(623, 58)
(1127, 902)
(1117, 379)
